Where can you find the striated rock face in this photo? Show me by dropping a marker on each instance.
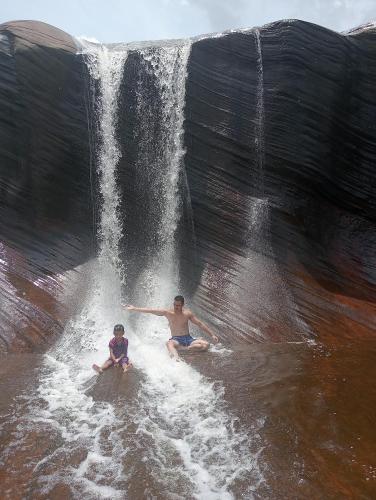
(280, 139)
(44, 146)
(314, 173)
(45, 192)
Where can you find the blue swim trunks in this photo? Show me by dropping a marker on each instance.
(184, 340)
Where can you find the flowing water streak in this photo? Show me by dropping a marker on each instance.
(80, 421)
(258, 206)
(194, 445)
(168, 65)
(179, 418)
(106, 67)
(258, 234)
(259, 129)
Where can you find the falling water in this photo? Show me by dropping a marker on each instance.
(183, 411)
(107, 273)
(258, 205)
(165, 159)
(175, 430)
(81, 422)
(259, 129)
(106, 67)
(260, 268)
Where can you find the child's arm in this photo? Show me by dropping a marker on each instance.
(116, 360)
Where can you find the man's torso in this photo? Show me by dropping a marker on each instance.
(178, 323)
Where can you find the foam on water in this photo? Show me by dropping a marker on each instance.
(184, 411)
(68, 367)
(194, 445)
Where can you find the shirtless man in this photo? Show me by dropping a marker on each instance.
(178, 322)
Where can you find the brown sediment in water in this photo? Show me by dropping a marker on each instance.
(317, 404)
(334, 317)
(337, 403)
(309, 409)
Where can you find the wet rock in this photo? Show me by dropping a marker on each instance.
(317, 177)
(44, 146)
(45, 190)
(280, 147)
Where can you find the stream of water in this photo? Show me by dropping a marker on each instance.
(174, 430)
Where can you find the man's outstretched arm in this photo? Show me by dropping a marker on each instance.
(203, 327)
(157, 312)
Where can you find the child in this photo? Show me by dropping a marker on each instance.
(118, 352)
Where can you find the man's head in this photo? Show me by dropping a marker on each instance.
(118, 330)
(178, 303)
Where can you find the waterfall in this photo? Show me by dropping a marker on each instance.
(168, 65)
(172, 428)
(81, 422)
(258, 205)
(181, 409)
(107, 273)
(106, 68)
(259, 129)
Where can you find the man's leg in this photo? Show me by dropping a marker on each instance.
(172, 346)
(199, 345)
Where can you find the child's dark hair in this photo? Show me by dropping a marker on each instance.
(119, 328)
(179, 298)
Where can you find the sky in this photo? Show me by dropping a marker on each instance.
(125, 20)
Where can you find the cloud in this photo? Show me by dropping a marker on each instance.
(338, 15)
(121, 20)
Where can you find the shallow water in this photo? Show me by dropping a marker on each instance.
(291, 421)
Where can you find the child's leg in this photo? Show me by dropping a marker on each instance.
(105, 365)
(125, 364)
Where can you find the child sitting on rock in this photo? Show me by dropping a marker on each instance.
(118, 352)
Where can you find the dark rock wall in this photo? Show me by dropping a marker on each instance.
(44, 146)
(320, 144)
(318, 172)
(283, 208)
(45, 192)
(324, 227)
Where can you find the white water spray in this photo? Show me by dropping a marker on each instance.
(169, 67)
(80, 420)
(259, 129)
(258, 206)
(177, 428)
(198, 449)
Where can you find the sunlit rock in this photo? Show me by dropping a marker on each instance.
(275, 225)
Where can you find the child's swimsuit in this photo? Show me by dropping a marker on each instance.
(184, 340)
(119, 348)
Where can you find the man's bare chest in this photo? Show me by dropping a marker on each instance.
(177, 322)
